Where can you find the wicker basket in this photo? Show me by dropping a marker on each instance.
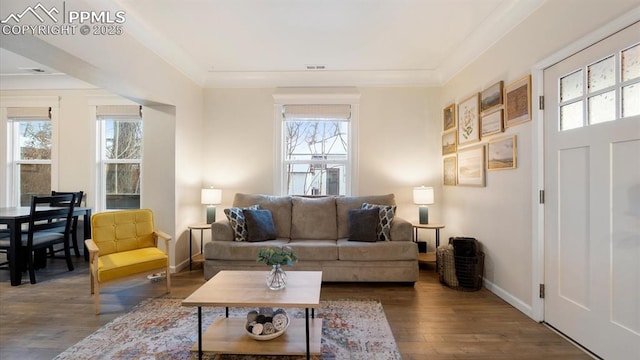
(460, 272)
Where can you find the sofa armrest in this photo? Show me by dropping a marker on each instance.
(401, 230)
(221, 230)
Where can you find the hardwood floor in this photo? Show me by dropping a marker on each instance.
(429, 321)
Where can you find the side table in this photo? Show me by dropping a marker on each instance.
(435, 227)
(200, 257)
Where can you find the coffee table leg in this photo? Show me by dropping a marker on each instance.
(306, 317)
(199, 332)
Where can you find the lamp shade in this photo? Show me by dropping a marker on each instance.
(423, 195)
(211, 196)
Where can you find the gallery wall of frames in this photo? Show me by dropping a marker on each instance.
(471, 139)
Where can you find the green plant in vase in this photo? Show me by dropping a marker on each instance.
(276, 257)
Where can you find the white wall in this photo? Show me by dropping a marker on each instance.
(500, 215)
(398, 138)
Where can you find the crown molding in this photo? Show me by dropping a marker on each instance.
(321, 78)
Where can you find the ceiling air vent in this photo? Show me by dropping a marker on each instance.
(33, 70)
(316, 67)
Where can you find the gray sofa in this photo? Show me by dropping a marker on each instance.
(318, 230)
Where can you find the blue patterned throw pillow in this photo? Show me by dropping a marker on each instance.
(386, 212)
(237, 221)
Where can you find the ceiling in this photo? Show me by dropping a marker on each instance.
(230, 43)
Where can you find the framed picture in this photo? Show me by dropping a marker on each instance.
(491, 123)
(471, 166)
(449, 117)
(491, 97)
(502, 153)
(469, 120)
(449, 144)
(449, 171)
(517, 102)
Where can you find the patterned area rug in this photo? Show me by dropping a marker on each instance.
(163, 329)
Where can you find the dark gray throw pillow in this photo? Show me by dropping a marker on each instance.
(363, 224)
(260, 226)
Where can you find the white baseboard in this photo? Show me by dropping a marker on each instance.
(179, 267)
(510, 299)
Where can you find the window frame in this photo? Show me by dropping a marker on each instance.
(99, 173)
(349, 96)
(9, 173)
(584, 100)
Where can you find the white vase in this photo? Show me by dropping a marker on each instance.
(277, 278)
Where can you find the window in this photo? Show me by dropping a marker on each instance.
(29, 131)
(605, 90)
(316, 149)
(120, 156)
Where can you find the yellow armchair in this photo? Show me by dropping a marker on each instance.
(124, 244)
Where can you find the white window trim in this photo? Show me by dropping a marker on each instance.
(7, 177)
(289, 96)
(98, 185)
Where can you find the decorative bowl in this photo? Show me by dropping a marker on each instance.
(259, 322)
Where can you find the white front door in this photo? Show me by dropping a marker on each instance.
(592, 202)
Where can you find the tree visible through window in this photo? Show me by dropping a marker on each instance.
(120, 150)
(316, 152)
(122, 155)
(33, 165)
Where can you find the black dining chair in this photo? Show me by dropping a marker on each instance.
(74, 225)
(50, 223)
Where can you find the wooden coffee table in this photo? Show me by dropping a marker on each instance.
(249, 289)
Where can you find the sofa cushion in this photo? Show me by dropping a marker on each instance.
(386, 212)
(237, 221)
(363, 224)
(346, 203)
(313, 218)
(238, 250)
(259, 225)
(316, 250)
(280, 207)
(377, 251)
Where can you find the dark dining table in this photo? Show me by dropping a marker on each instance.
(14, 217)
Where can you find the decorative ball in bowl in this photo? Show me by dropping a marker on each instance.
(266, 323)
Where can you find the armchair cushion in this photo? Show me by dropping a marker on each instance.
(123, 230)
(117, 265)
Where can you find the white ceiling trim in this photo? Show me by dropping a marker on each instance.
(322, 78)
(492, 30)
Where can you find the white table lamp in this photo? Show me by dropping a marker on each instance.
(423, 196)
(211, 197)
